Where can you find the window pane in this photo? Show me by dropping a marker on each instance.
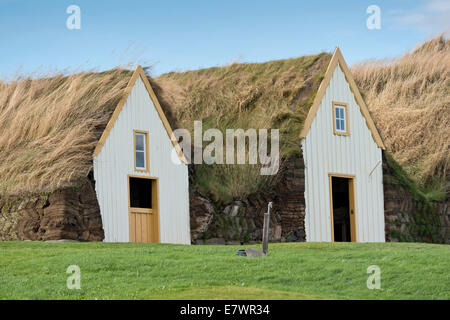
(337, 111)
(342, 113)
(140, 142)
(140, 159)
(338, 124)
(342, 125)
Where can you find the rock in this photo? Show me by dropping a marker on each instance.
(215, 241)
(276, 233)
(227, 210)
(252, 252)
(234, 211)
(250, 225)
(291, 238)
(301, 235)
(201, 213)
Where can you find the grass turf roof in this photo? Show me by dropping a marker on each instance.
(409, 101)
(50, 126)
(274, 94)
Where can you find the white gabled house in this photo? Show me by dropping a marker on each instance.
(142, 189)
(342, 152)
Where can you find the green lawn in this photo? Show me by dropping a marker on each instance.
(37, 270)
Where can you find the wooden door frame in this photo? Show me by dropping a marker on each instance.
(351, 194)
(155, 200)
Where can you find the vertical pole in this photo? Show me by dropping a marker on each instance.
(265, 237)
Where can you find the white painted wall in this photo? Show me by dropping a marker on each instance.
(116, 161)
(356, 154)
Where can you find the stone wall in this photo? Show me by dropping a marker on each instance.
(397, 200)
(412, 219)
(242, 220)
(64, 214)
(443, 213)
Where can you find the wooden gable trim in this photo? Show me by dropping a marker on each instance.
(338, 60)
(139, 72)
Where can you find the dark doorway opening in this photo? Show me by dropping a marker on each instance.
(140, 193)
(341, 209)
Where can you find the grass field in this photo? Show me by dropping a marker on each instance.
(37, 270)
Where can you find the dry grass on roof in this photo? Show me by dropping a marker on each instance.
(409, 99)
(50, 126)
(275, 94)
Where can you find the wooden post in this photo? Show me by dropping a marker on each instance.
(265, 237)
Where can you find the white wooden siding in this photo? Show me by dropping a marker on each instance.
(356, 154)
(116, 161)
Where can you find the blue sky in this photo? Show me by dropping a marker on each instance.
(183, 35)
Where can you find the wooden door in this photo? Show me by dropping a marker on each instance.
(144, 222)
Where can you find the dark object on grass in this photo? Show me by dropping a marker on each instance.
(241, 253)
(252, 252)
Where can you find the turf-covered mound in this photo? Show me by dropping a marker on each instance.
(275, 94)
(409, 100)
(50, 126)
